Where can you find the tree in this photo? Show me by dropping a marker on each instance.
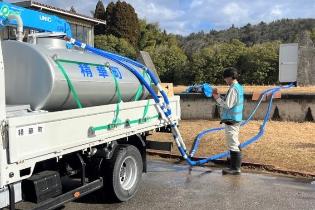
(208, 63)
(115, 45)
(150, 35)
(312, 35)
(170, 62)
(99, 14)
(259, 64)
(122, 21)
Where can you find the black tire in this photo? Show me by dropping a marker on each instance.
(120, 186)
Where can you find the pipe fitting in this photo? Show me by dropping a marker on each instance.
(19, 27)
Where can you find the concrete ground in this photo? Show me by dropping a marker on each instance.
(172, 186)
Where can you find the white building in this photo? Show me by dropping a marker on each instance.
(82, 26)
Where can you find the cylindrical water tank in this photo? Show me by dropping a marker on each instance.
(32, 76)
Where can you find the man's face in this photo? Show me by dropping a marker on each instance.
(228, 80)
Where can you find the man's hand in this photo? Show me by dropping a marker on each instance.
(215, 93)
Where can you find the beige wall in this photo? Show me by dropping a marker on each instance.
(290, 107)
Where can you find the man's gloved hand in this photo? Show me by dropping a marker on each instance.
(215, 93)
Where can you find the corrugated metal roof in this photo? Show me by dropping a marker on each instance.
(39, 5)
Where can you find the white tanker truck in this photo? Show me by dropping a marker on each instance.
(67, 113)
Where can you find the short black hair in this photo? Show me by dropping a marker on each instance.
(230, 72)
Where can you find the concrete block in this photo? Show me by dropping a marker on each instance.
(292, 107)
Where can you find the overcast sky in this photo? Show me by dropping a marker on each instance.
(186, 16)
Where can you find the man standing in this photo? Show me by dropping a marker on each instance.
(231, 116)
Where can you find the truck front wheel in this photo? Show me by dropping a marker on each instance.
(122, 173)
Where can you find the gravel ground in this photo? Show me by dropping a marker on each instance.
(285, 145)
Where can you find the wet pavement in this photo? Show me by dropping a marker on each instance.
(169, 186)
(172, 186)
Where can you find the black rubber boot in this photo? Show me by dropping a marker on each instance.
(235, 164)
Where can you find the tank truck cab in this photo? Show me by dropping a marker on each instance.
(67, 114)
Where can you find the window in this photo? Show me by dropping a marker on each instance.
(88, 31)
(80, 33)
(73, 30)
(8, 33)
(5, 33)
(85, 35)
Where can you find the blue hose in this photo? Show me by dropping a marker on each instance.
(271, 91)
(251, 140)
(212, 130)
(166, 109)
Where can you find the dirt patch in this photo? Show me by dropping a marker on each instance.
(285, 145)
(251, 89)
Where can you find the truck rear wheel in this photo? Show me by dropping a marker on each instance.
(122, 173)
